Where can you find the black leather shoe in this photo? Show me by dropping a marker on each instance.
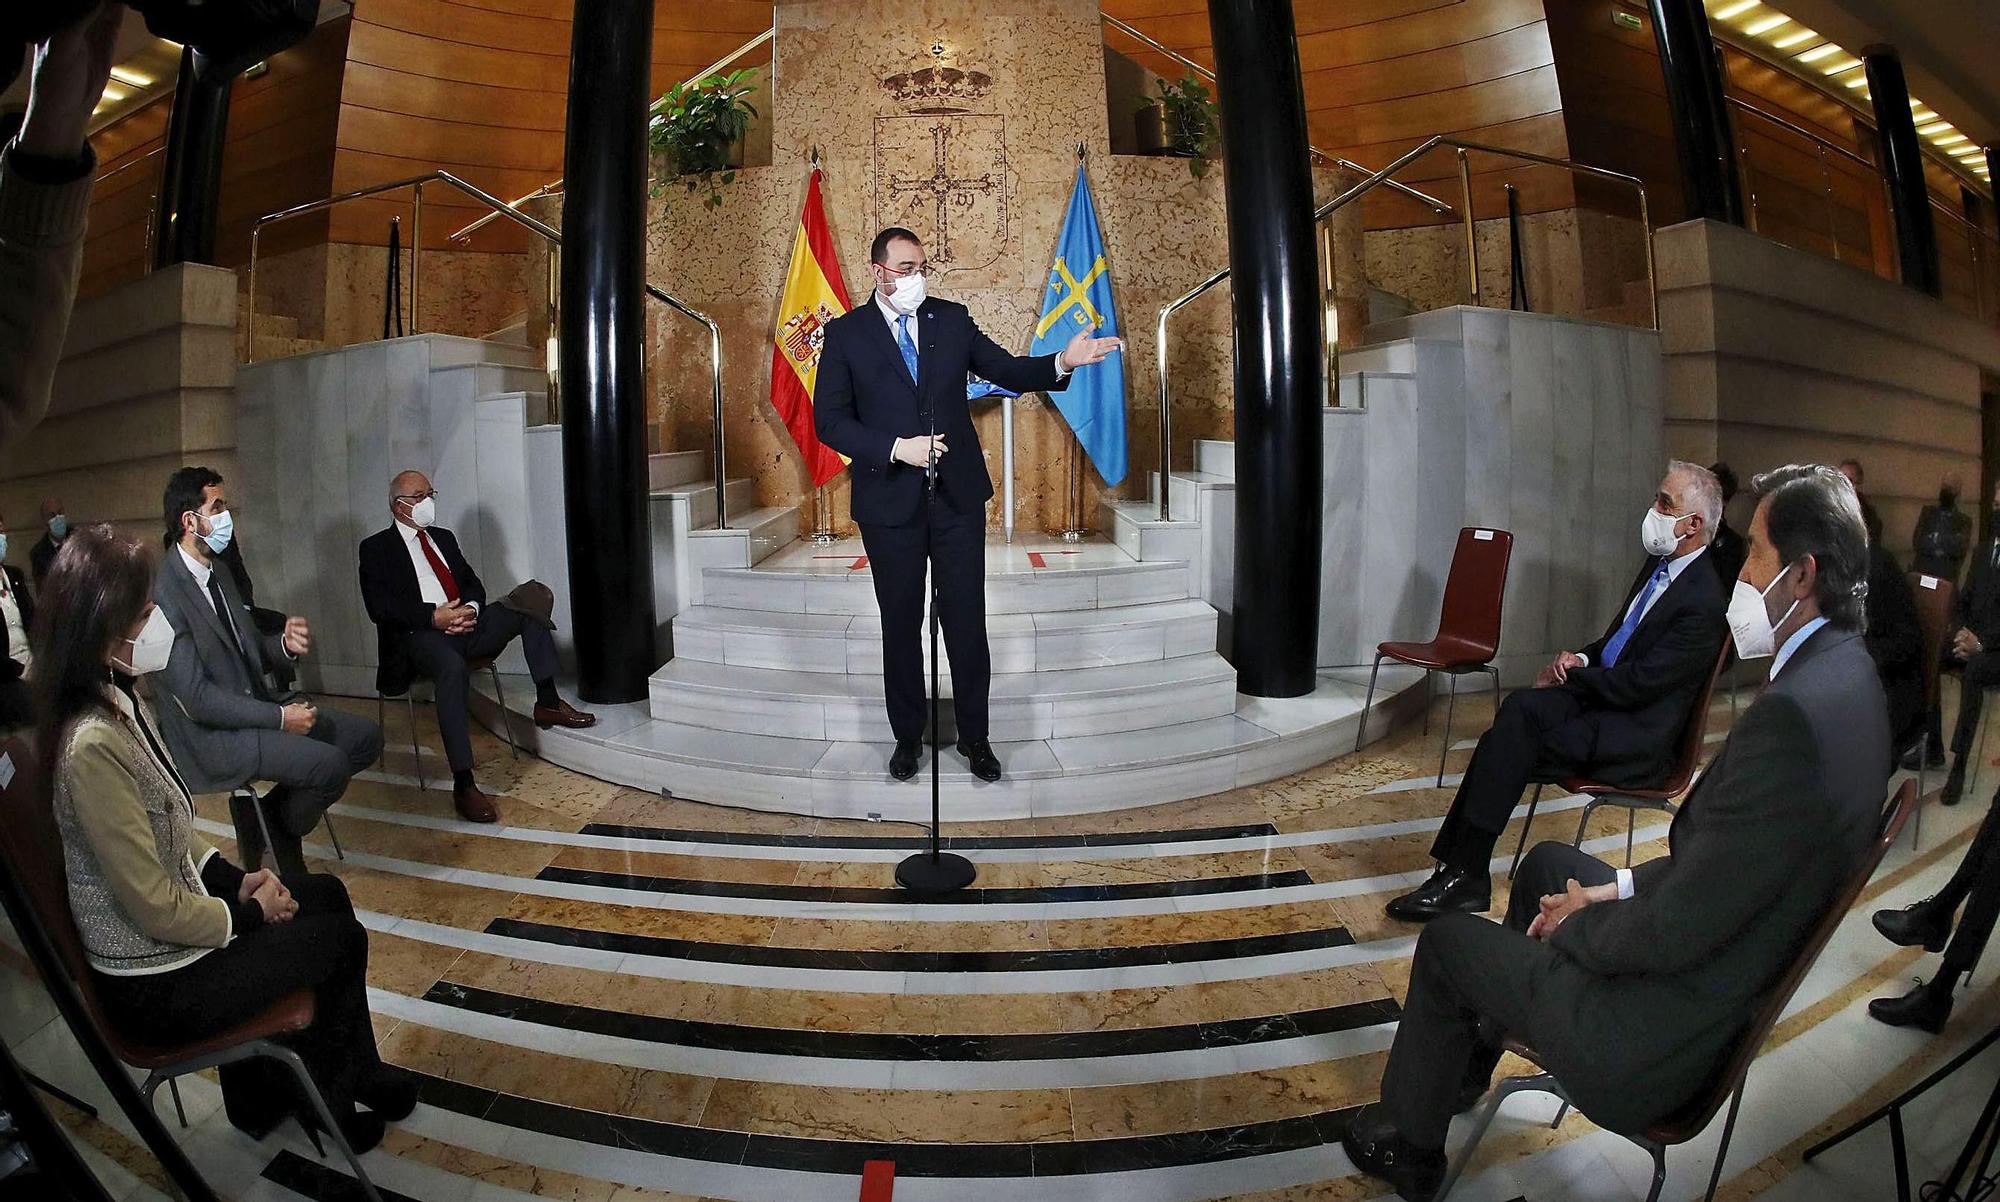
(1924, 756)
(1926, 1007)
(1916, 924)
(390, 1093)
(1449, 891)
(979, 753)
(903, 764)
(1954, 785)
(1379, 1150)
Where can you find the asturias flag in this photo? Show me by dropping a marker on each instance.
(814, 295)
(1079, 299)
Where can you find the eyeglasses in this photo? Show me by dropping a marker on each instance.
(922, 269)
(415, 497)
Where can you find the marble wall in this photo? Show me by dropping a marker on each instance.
(1777, 355)
(153, 360)
(1543, 426)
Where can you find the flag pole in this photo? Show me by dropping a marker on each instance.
(822, 532)
(1073, 530)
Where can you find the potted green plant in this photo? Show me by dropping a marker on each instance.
(696, 131)
(1180, 121)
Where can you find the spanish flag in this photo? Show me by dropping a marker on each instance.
(814, 295)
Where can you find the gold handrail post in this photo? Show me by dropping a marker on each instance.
(1646, 236)
(1471, 228)
(250, 353)
(1166, 413)
(416, 253)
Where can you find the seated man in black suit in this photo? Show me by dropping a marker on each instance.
(17, 618)
(1613, 712)
(1896, 643)
(1974, 646)
(1634, 985)
(431, 617)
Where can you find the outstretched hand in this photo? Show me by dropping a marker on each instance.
(1083, 350)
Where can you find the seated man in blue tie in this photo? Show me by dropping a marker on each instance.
(1612, 712)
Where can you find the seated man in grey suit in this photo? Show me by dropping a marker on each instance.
(1634, 984)
(223, 722)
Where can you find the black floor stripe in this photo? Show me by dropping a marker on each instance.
(911, 842)
(1049, 1159)
(868, 1045)
(323, 1182)
(1040, 959)
(829, 893)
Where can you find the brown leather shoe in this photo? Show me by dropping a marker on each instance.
(474, 806)
(562, 713)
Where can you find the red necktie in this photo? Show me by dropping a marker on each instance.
(437, 565)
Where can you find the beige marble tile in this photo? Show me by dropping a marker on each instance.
(891, 1116)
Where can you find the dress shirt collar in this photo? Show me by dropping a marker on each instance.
(1792, 644)
(409, 533)
(889, 313)
(196, 568)
(1676, 566)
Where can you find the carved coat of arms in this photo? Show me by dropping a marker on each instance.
(941, 170)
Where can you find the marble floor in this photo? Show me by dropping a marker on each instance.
(617, 995)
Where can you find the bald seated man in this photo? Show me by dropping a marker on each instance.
(432, 619)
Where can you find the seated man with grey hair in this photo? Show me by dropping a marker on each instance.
(1613, 712)
(1634, 987)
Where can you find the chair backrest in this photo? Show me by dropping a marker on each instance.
(1934, 596)
(31, 850)
(1695, 734)
(1691, 1119)
(1477, 584)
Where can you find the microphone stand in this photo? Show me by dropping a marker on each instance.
(933, 873)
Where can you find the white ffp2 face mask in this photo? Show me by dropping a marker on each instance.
(1656, 532)
(424, 512)
(1750, 621)
(910, 292)
(151, 649)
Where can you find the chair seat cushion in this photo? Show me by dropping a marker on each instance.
(293, 1012)
(1576, 784)
(1444, 654)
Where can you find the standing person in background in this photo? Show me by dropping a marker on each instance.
(1938, 548)
(17, 618)
(1851, 468)
(1726, 547)
(1974, 646)
(45, 176)
(1896, 643)
(55, 528)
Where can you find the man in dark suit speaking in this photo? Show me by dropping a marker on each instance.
(1634, 985)
(891, 397)
(1613, 712)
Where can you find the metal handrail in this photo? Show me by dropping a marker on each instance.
(555, 185)
(1379, 179)
(500, 209)
(1139, 35)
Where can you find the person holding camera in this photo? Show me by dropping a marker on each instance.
(183, 944)
(224, 723)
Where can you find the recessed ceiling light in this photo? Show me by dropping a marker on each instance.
(126, 75)
(1798, 37)
(1935, 127)
(113, 92)
(1953, 140)
(1764, 25)
(1730, 12)
(1842, 67)
(1819, 52)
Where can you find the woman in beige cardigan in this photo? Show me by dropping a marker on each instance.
(183, 943)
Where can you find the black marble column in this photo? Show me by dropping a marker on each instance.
(191, 166)
(1700, 111)
(1273, 260)
(602, 332)
(1903, 168)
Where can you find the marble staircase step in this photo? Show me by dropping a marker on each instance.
(852, 591)
(1136, 528)
(1215, 457)
(669, 469)
(1022, 705)
(761, 531)
(1395, 356)
(699, 496)
(1186, 488)
(1020, 642)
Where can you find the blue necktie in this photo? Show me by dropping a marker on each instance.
(1654, 584)
(909, 348)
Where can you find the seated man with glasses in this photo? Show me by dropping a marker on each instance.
(432, 619)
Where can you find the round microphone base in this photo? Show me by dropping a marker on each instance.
(928, 875)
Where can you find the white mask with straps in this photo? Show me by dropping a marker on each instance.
(152, 648)
(1750, 621)
(1656, 532)
(910, 293)
(424, 512)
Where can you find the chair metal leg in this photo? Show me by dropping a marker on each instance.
(1659, 1171)
(263, 823)
(1583, 823)
(310, 1090)
(174, 1089)
(1534, 799)
(1449, 707)
(1506, 1088)
(506, 727)
(1427, 701)
(327, 818)
(1361, 727)
(1722, 1151)
(1562, 1112)
(416, 756)
(150, 1086)
(1631, 830)
(1917, 815)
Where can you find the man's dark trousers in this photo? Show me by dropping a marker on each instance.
(958, 555)
(443, 658)
(1976, 882)
(1468, 969)
(1980, 673)
(1535, 736)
